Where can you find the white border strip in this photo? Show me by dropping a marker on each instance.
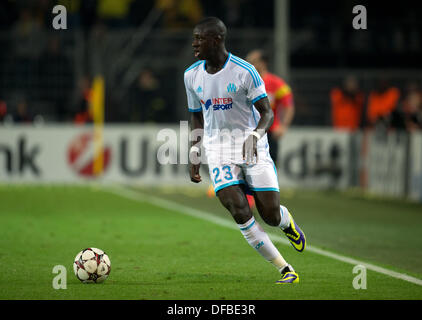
(173, 206)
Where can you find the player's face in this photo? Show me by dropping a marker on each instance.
(203, 44)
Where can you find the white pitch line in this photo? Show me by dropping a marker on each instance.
(173, 206)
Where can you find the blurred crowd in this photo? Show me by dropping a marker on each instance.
(385, 106)
(37, 67)
(86, 14)
(39, 75)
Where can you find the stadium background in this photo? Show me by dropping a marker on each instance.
(81, 108)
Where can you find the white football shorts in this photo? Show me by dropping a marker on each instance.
(261, 176)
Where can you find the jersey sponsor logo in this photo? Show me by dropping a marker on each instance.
(231, 87)
(218, 103)
(206, 104)
(199, 89)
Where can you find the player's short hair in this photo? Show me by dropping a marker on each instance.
(213, 25)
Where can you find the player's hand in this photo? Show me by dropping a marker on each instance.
(194, 173)
(250, 150)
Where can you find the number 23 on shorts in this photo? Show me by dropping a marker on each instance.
(226, 171)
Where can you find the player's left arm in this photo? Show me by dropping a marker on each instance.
(267, 117)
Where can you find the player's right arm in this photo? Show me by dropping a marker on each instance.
(197, 127)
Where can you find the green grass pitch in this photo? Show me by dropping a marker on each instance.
(159, 253)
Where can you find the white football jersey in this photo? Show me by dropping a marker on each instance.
(226, 100)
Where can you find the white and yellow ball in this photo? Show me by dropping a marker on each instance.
(92, 265)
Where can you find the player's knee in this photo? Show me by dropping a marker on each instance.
(227, 202)
(238, 209)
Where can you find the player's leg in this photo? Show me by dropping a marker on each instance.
(276, 215)
(270, 210)
(262, 180)
(268, 206)
(233, 198)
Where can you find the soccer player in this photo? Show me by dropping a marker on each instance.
(227, 100)
(280, 96)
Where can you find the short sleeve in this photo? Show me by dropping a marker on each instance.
(255, 87)
(194, 105)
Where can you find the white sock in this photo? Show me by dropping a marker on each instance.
(259, 240)
(285, 218)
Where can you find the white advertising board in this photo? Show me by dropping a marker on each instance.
(66, 154)
(309, 157)
(314, 157)
(415, 172)
(386, 161)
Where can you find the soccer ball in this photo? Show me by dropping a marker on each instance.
(92, 265)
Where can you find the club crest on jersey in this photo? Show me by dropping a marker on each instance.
(218, 103)
(231, 87)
